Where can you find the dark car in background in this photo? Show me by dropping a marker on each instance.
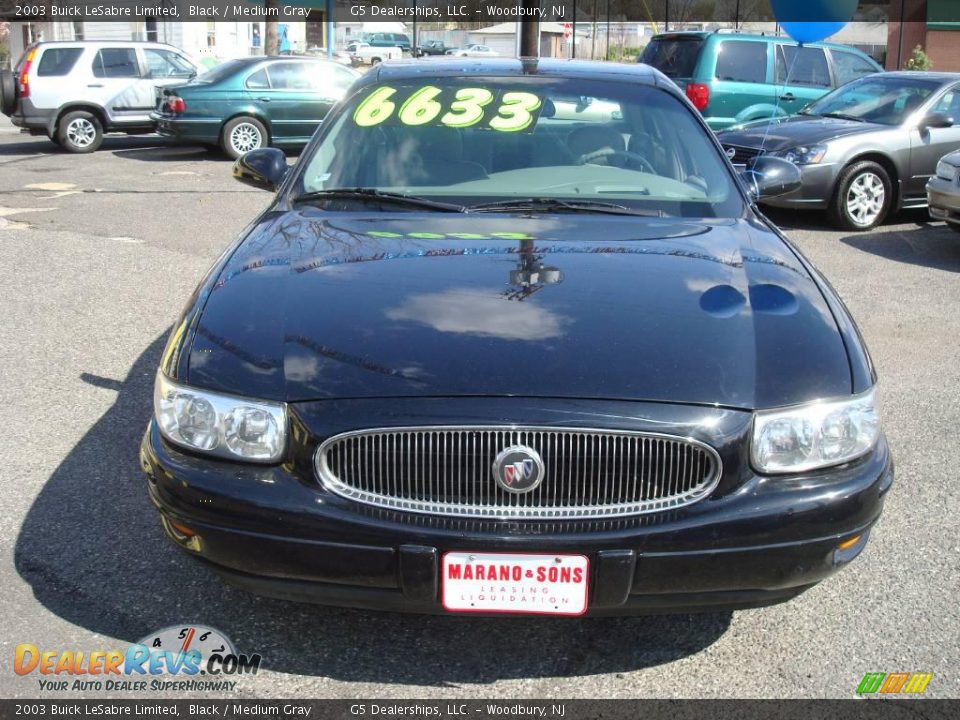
(734, 78)
(864, 150)
(481, 356)
(254, 102)
(432, 47)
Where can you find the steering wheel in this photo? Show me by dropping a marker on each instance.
(644, 164)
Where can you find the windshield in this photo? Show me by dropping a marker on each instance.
(876, 99)
(674, 57)
(472, 141)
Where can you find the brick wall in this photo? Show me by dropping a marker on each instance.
(943, 48)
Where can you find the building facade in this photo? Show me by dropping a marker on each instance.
(932, 24)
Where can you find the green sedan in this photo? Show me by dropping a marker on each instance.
(254, 102)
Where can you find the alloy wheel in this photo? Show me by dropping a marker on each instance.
(81, 132)
(245, 137)
(865, 198)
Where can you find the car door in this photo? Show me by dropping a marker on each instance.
(802, 75)
(292, 101)
(740, 88)
(115, 84)
(928, 144)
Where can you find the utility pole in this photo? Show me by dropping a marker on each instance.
(529, 30)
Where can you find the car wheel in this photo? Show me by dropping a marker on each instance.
(8, 93)
(863, 197)
(374, 61)
(79, 132)
(241, 135)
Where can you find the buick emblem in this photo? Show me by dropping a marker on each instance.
(518, 469)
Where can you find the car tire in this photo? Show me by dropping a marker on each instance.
(79, 132)
(375, 61)
(862, 198)
(243, 134)
(54, 138)
(8, 93)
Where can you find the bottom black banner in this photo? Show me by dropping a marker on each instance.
(509, 709)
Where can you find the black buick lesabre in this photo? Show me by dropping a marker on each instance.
(514, 338)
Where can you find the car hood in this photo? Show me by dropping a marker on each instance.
(315, 305)
(793, 131)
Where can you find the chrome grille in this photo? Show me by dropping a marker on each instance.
(448, 471)
(742, 155)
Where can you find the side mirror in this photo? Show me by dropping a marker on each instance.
(264, 169)
(768, 177)
(936, 120)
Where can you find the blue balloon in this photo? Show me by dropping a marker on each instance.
(812, 20)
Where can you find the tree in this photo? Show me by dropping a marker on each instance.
(271, 40)
(918, 60)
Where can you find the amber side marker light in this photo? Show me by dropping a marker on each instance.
(847, 544)
(849, 548)
(181, 534)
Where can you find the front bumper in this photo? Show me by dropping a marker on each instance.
(816, 190)
(276, 532)
(943, 198)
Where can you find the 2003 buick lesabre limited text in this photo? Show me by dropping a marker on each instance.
(514, 338)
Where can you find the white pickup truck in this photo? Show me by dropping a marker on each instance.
(366, 54)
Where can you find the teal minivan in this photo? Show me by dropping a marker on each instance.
(734, 77)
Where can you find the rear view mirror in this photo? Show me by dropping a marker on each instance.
(936, 120)
(264, 169)
(768, 177)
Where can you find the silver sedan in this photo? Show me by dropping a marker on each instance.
(943, 191)
(864, 150)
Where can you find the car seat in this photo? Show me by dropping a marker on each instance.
(597, 145)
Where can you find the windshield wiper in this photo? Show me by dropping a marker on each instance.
(843, 116)
(372, 194)
(556, 205)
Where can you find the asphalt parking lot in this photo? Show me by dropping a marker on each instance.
(100, 252)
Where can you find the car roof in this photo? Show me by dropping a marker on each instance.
(516, 67)
(923, 75)
(703, 34)
(104, 43)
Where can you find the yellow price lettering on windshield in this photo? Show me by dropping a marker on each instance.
(421, 107)
(375, 108)
(516, 111)
(467, 108)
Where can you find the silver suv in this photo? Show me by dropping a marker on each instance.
(74, 92)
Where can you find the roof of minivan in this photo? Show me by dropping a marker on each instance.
(703, 34)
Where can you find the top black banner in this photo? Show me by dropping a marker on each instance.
(672, 13)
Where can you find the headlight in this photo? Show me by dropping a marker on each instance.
(805, 155)
(815, 435)
(946, 171)
(222, 425)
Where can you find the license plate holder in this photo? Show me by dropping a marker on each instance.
(523, 583)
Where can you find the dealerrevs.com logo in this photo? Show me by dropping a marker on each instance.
(172, 659)
(898, 683)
